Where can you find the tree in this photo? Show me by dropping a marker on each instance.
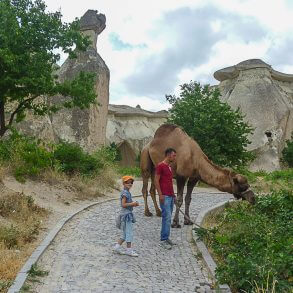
(29, 40)
(220, 131)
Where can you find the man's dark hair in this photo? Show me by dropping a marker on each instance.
(169, 151)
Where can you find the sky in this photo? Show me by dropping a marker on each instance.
(152, 47)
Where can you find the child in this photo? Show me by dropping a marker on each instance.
(126, 218)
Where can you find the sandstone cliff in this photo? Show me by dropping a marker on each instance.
(131, 129)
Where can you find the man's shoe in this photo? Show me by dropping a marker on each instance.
(170, 242)
(164, 244)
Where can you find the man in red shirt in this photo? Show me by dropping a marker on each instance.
(164, 186)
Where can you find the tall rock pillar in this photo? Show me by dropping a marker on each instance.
(265, 96)
(85, 127)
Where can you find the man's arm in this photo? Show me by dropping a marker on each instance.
(157, 185)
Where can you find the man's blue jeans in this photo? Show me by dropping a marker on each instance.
(167, 209)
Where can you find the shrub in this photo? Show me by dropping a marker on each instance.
(72, 159)
(27, 155)
(288, 152)
(254, 243)
(220, 131)
(114, 151)
(107, 155)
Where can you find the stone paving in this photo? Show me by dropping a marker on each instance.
(81, 259)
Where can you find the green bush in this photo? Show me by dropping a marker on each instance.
(72, 159)
(288, 153)
(219, 130)
(254, 243)
(107, 155)
(27, 155)
(114, 151)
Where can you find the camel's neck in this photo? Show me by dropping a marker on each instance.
(215, 176)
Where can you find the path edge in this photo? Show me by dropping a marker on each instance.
(208, 261)
(35, 256)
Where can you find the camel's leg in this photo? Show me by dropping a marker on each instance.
(153, 195)
(145, 179)
(190, 185)
(180, 187)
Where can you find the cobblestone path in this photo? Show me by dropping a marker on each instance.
(81, 259)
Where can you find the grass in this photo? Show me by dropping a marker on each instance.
(132, 171)
(23, 219)
(92, 187)
(35, 271)
(20, 222)
(264, 182)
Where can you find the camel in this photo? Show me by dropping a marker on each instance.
(191, 165)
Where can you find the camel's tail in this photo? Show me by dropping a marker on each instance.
(146, 164)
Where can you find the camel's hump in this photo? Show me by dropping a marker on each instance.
(165, 129)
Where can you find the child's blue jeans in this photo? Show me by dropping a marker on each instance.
(167, 209)
(127, 231)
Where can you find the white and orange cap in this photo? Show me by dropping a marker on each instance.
(126, 178)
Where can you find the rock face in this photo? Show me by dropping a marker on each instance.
(85, 127)
(131, 129)
(265, 96)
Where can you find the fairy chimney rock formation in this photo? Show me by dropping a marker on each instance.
(85, 127)
(265, 96)
(92, 24)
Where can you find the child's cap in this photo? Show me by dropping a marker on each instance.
(126, 178)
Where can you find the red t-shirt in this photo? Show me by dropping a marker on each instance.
(166, 177)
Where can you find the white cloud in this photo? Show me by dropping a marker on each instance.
(174, 41)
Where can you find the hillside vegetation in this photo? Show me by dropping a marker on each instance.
(252, 244)
(63, 165)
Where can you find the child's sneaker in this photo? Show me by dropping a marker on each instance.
(118, 249)
(131, 252)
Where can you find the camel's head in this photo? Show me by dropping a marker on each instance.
(240, 188)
